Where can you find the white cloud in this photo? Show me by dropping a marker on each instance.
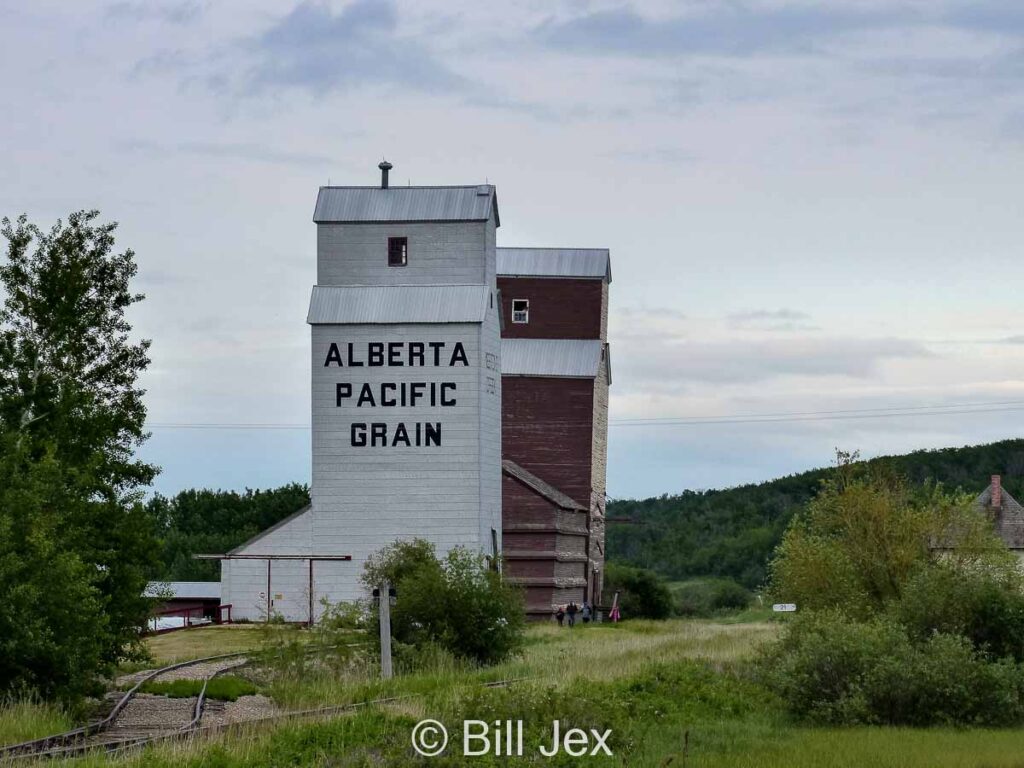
(822, 198)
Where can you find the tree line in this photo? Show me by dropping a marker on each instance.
(732, 532)
(203, 521)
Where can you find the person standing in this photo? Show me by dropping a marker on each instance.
(560, 616)
(586, 612)
(571, 611)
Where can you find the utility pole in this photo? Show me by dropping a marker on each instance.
(384, 604)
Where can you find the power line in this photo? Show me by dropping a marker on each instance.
(953, 409)
(795, 419)
(821, 413)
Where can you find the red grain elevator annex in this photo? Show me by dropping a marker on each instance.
(556, 370)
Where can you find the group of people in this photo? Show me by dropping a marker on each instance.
(571, 611)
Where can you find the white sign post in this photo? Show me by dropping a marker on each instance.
(784, 607)
(385, 631)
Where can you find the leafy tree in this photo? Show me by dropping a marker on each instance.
(459, 603)
(862, 538)
(76, 544)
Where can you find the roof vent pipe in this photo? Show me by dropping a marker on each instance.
(384, 166)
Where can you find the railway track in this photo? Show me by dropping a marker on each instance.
(135, 718)
(105, 735)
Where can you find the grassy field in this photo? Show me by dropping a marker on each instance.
(209, 641)
(661, 687)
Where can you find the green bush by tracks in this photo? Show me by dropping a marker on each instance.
(642, 593)
(459, 604)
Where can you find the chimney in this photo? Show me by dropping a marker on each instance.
(997, 493)
(384, 166)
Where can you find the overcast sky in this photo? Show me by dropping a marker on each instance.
(810, 206)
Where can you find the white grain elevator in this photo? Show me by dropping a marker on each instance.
(406, 395)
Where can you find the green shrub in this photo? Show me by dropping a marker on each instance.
(986, 606)
(944, 681)
(460, 603)
(831, 669)
(642, 593)
(707, 597)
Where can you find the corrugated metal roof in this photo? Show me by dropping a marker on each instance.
(332, 304)
(373, 204)
(555, 262)
(550, 357)
(206, 590)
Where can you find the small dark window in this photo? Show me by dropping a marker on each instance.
(520, 310)
(398, 251)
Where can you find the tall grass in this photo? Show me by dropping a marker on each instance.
(557, 656)
(26, 719)
(661, 686)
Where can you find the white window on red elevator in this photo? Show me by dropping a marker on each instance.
(520, 310)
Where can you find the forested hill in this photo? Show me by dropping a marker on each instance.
(732, 532)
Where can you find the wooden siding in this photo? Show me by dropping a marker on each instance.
(598, 473)
(244, 582)
(364, 498)
(489, 402)
(545, 545)
(439, 254)
(367, 497)
(560, 308)
(546, 429)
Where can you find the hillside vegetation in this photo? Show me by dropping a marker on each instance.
(732, 532)
(729, 533)
(213, 522)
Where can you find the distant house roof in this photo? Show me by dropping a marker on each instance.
(555, 262)
(558, 358)
(1008, 519)
(332, 304)
(184, 590)
(369, 205)
(546, 490)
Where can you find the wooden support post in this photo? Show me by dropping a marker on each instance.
(269, 602)
(311, 592)
(385, 631)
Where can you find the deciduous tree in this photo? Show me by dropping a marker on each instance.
(76, 544)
